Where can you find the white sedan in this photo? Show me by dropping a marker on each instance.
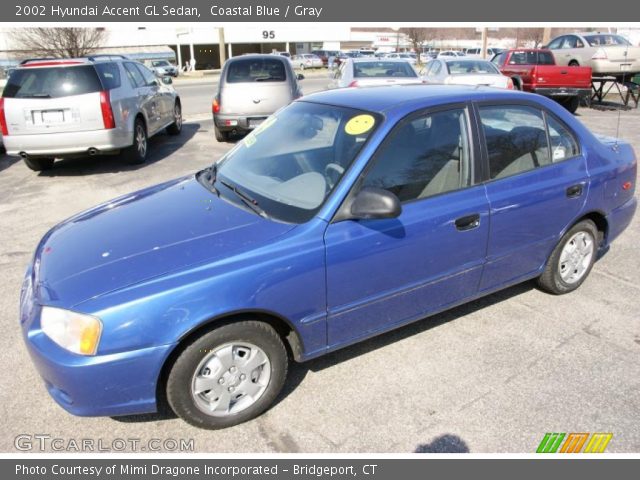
(365, 71)
(463, 71)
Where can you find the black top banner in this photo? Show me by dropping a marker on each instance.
(487, 11)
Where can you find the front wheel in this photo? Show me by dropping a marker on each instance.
(571, 260)
(228, 375)
(571, 104)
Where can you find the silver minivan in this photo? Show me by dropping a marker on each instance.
(251, 88)
(60, 108)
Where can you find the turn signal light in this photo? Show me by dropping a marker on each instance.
(3, 119)
(627, 185)
(215, 107)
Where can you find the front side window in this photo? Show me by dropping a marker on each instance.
(516, 139)
(556, 43)
(134, 75)
(292, 162)
(148, 75)
(424, 157)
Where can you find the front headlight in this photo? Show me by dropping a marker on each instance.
(76, 332)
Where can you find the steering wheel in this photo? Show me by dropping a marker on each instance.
(332, 172)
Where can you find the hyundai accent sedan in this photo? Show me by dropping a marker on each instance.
(346, 214)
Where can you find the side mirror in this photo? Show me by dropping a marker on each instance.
(375, 203)
(167, 80)
(300, 76)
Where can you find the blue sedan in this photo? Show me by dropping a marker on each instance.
(347, 214)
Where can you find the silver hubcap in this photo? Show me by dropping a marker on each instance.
(141, 141)
(576, 257)
(230, 379)
(178, 116)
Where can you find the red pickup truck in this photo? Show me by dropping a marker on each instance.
(535, 70)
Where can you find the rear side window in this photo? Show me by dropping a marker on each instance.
(135, 77)
(383, 69)
(52, 82)
(109, 74)
(256, 70)
(516, 139)
(563, 143)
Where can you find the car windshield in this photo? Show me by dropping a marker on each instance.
(466, 67)
(52, 82)
(160, 63)
(256, 70)
(290, 164)
(383, 69)
(605, 40)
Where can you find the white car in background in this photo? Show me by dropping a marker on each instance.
(477, 52)
(365, 71)
(465, 71)
(450, 54)
(409, 57)
(307, 60)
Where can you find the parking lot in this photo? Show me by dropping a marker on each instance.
(490, 376)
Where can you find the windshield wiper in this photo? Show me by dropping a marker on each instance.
(246, 199)
(208, 177)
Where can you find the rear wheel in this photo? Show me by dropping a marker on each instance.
(220, 135)
(571, 260)
(137, 153)
(176, 127)
(574, 63)
(571, 104)
(39, 164)
(228, 375)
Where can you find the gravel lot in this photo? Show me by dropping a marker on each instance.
(491, 376)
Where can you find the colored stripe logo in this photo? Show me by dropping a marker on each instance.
(574, 442)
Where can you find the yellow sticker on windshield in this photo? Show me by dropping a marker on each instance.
(359, 124)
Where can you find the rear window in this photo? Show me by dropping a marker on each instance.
(606, 40)
(256, 70)
(52, 82)
(464, 67)
(531, 58)
(383, 69)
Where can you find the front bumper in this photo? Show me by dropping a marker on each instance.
(228, 123)
(67, 143)
(122, 383)
(563, 92)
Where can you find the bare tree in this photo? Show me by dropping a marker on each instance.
(58, 42)
(529, 37)
(417, 36)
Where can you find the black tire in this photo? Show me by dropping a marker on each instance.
(136, 155)
(180, 380)
(551, 280)
(571, 104)
(220, 135)
(517, 83)
(39, 164)
(574, 63)
(176, 127)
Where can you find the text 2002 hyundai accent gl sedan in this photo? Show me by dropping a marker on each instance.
(346, 214)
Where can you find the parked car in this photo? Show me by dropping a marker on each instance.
(606, 53)
(307, 60)
(346, 215)
(364, 72)
(251, 88)
(325, 54)
(450, 54)
(535, 70)
(162, 68)
(59, 108)
(477, 52)
(465, 72)
(411, 58)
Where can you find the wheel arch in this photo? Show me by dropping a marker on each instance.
(285, 329)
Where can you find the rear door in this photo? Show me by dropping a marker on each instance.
(255, 87)
(145, 96)
(163, 95)
(537, 183)
(390, 271)
(53, 99)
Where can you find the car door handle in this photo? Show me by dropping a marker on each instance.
(468, 222)
(574, 191)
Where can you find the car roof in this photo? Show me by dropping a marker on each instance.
(372, 59)
(402, 99)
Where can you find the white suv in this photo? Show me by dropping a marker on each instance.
(59, 108)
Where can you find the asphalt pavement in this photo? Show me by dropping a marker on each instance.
(491, 376)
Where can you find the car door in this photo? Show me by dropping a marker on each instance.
(537, 184)
(145, 99)
(385, 272)
(162, 96)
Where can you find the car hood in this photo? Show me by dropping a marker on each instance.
(140, 236)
